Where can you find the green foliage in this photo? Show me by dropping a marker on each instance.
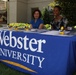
(69, 10)
(47, 16)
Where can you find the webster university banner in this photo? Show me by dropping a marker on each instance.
(37, 54)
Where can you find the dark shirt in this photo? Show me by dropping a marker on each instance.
(37, 23)
(57, 25)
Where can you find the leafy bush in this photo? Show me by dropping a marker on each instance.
(47, 16)
(68, 10)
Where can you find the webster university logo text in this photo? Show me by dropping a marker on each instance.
(22, 44)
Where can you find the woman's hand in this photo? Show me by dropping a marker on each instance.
(31, 26)
(41, 26)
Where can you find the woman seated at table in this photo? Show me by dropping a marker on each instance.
(37, 22)
(58, 20)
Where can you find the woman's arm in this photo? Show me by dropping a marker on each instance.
(41, 26)
(65, 22)
(31, 26)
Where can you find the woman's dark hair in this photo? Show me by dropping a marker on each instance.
(58, 8)
(37, 10)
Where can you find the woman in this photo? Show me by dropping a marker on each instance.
(37, 22)
(58, 20)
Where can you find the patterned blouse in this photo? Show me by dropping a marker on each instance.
(57, 25)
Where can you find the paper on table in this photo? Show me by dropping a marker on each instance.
(53, 32)
(38, 30)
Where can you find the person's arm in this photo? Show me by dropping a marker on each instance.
(31, 26)
(41, 26)
(65, 21)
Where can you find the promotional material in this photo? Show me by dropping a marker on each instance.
(37, 54)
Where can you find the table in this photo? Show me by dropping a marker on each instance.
(38, 54)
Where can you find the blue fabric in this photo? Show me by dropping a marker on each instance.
(59, 53)
(37, 23)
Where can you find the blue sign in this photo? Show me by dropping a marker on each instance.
(38, 54)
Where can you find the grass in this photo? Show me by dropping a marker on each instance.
(4, 70)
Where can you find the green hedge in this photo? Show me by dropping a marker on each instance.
(69, 10)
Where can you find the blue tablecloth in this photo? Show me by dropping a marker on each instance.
(57, 56)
